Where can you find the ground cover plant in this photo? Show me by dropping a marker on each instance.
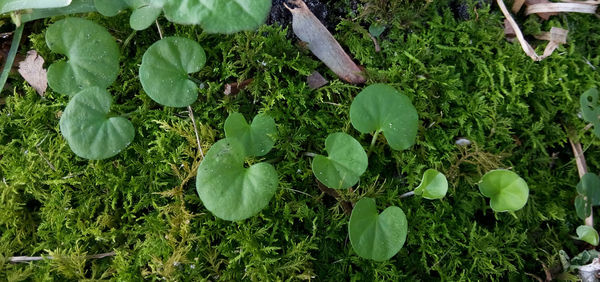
(147, 213)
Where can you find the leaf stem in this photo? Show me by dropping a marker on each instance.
(407, 194)
(11, 55)
(373, 141)
(191, 113)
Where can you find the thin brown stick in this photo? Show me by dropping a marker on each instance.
(377, 47)
(26, 259)
(235, 87)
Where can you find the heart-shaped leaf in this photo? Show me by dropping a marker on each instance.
(145, 12)
(90, 132)
(583, 207)
(376, 29)
(589, 186)
(506, 190)
(590, 108)
(377, 236)
(587, 234)
(228, 189)
(257, 138)
(433, 186)
(93, 56)
(218, 16)
(165, 68)
(380, 107)
(346, 162)
(110, 8)
(15, 5)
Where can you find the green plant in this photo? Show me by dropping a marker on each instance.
(165, 68)
(587, 234)
(15, 5)
(344, 165)
(590, 108)
(588, 190)
(90, 130)
(506, 190)
(227, 188)
(381, 108)
(433, 186)
(377, 236)
(93, 56)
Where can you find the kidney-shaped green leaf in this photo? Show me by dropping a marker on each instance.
(587, 234)
(377, 236)
(433, 186)
(256, 138)
(219, 16)
(380, 107)
(589, 186)
(93, 56)
(14, 5)
(145, 12)
(165, 68)
(88, 129)
(346, 162)
(228, 189)
(590, 108)
(110, 8)
(506, 190)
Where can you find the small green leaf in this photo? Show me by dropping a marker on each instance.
(506, 190)
(589, 186)
(228, 189)
(15, 5)
(110, 8)
(433, 186)
(376, 29)
(76, 7)
(590, 108)
(257, 138)
(377, 236)
(583, 207)
(346, 162)
(219, 16)
(587, 234)
(165, 68)
(380, 107)
(91, 134)
(145, 12)
(93, 56)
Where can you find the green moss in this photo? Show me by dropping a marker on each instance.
(465, 80)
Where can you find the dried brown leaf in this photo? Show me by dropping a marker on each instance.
(32, 70)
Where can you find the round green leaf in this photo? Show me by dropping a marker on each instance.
(219, 16)
(376, 29)
(377, 236)
(590, 108)
(257, 138)
(228, 189)
(433, 186)
(145, 12)
(88, 129)
(110, 8)
(589, 186)
(380, 107)
(93, 56)
(506, 190)
(165, 68)
(583, 207)
(587, 234)
(346, 162)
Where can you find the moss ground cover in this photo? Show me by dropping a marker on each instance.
(464, 79)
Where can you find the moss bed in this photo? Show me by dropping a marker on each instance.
(450, 58)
